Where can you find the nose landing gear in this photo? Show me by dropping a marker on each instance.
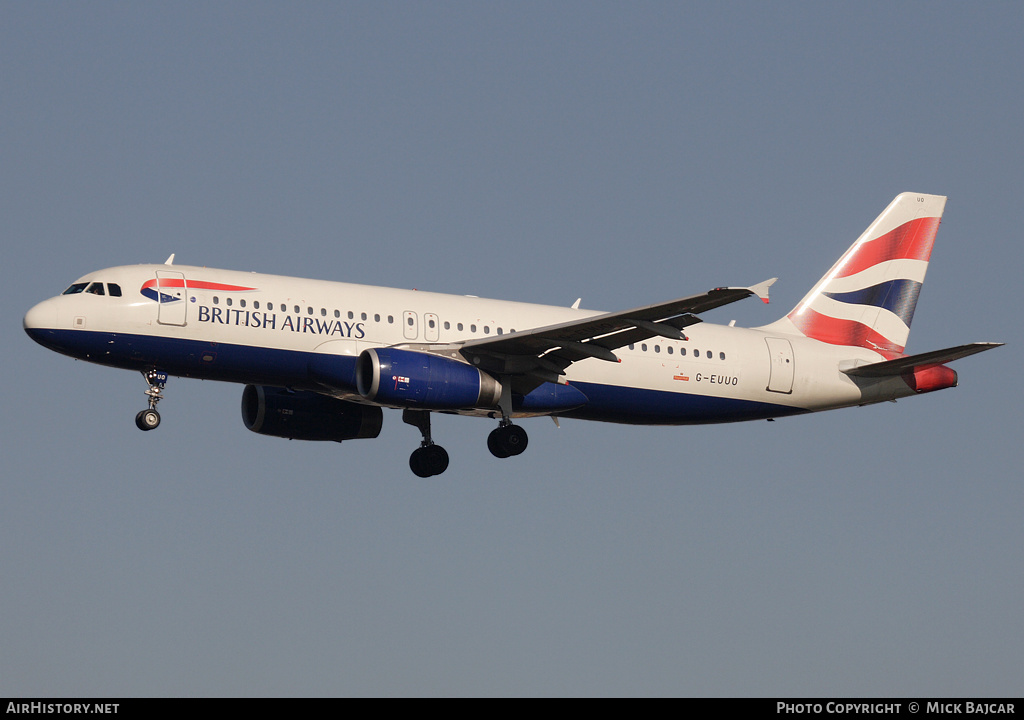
(149, 419)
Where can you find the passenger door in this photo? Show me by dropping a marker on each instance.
(171, 294)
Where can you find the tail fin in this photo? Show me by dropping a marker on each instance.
(868, 297)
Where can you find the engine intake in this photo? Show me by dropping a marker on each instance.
(306, 415)
(407, 378)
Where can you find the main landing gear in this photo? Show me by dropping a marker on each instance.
(428, 459)
(149, 419)
(507, 440)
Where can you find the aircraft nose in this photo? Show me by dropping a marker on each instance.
(40, 318)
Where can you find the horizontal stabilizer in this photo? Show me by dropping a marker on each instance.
(912, 362)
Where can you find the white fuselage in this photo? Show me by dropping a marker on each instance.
(264, 329)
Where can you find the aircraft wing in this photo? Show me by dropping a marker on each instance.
(922, 360)
(545, 352)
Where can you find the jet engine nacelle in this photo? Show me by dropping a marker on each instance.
(407, 378)
(306, 415)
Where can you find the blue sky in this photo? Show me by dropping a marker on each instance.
(541, 152)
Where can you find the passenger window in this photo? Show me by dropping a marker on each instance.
(669, 349)
(410, 321)
(297, 310)
(447, 325)
(323, 312)
(709, 354)
(430, 323)
(337, 313)
(721, 356)
(391, 319)
(95, 289)
(351, 315)
(657, 348)
(229, 302)
(75, 289)
(459, 326)
(472, 328)
(216, 300)
(376, 317)
(643, 346)
(500, 332)
(309, 311)
(682, 351)
(632, 346)
(487, 330)
(256, 304)
(242, 303)
(114, 290)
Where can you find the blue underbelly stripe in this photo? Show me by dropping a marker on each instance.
(309, 370)
(641, 406)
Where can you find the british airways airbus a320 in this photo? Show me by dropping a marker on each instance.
(320, 360)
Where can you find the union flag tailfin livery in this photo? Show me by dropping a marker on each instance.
(319, 360)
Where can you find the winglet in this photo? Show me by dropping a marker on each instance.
(761, 289)
(170, 260)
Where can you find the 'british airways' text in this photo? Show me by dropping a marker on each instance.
(273, 321)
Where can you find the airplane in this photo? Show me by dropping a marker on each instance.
(319, 360)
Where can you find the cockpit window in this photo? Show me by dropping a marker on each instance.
(94, 288)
